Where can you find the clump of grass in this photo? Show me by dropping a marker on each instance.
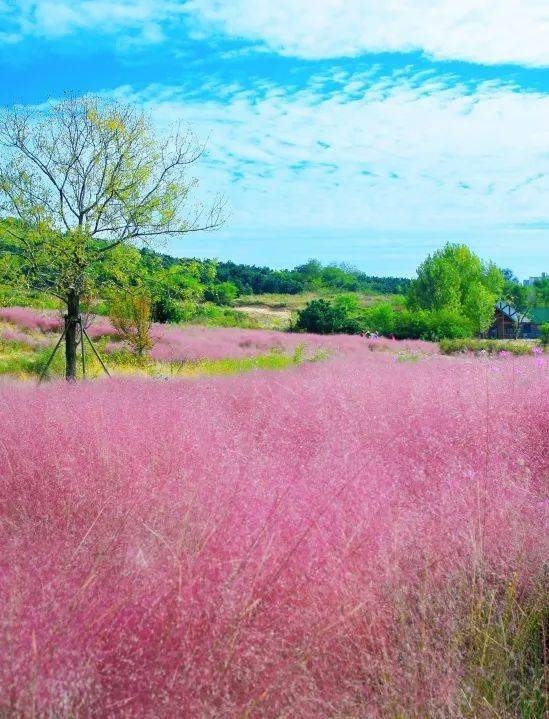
(409, 356)
(504, 644)
(16, 360)
(515, 347)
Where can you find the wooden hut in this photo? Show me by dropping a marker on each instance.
(507, 318)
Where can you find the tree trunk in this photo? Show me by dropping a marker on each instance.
(71, 322)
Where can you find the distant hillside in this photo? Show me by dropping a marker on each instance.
(254, 280)
(312, 276)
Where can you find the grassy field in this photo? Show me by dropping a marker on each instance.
(298, 302)
(28, 336)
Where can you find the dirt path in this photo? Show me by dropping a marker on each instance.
(255, 309)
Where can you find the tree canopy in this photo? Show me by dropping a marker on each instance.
(454, 278)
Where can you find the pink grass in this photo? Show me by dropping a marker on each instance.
(296, 544)
(23, 338)
(52, 321)
(174, 343)
(179, 343)
(31, 319)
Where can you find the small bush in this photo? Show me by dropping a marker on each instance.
(544, 337)
(323, 318)
(454, 346)
(130, 315)
(432, 325)
(166, 310)
(379, 318)
(221, 294)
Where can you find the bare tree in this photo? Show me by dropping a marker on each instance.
(85, 176)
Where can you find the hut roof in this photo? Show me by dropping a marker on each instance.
(511, 312)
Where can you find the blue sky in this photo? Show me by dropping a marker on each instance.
(348, 130)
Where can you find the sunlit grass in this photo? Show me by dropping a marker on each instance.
(292, 303)
(22, 362)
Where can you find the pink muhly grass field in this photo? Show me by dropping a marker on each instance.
(300, 544)
(178, 343)
(190, 342)
(173, 343)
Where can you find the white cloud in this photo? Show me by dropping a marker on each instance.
(397, 153)
(483, 31)
(57, 18)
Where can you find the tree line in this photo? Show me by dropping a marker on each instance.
(453, 296)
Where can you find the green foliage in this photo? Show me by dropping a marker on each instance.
(454, 278)
(131, 315)
(345, 315)
(322, 317)
(478, 307)
(380, 318)
(544, 334)
(541, 292)
(165, 309)
(454, 346)
(347, 303)
(430, 325)
(223, 293)
(419, 324)
(83, 179)
(311, 276)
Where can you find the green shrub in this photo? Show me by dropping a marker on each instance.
(544, 337)
(431, 325)
(166, 310)
(323, 318)
(221, 294)
(379, 318)
(344, 315)
(448, 324)
(492, 347)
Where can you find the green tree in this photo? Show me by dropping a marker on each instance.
(478, 307)
(222, 293)
(323, 318)
(84, 177)
(541, 292)
(454, 278)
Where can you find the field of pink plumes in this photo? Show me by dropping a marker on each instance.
(174, 343)
(31, 319)
(299, 544)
